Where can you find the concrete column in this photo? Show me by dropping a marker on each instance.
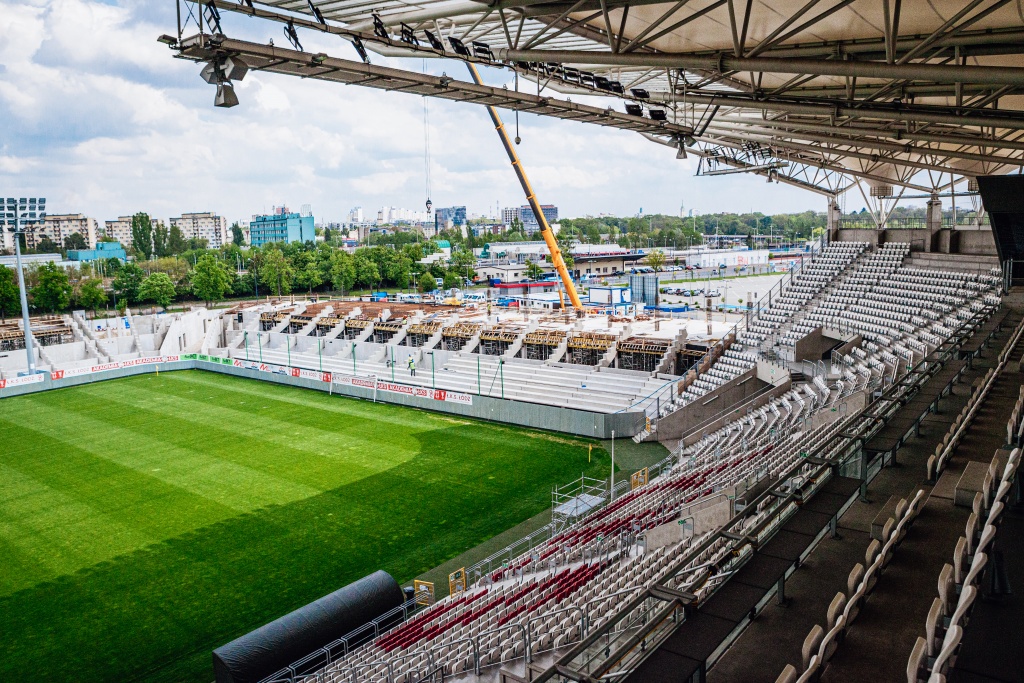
(933, 222)
(833, 215)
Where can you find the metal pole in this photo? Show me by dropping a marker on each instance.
(478, 374)
(501, 369)
(433, 377)
(612, 494)
(288, 347)
(259, 338)
(353, 358)
(392, 363)
(319, 353)
(245, 336)
(29, 351)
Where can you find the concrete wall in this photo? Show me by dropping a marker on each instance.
(684, 420)
(566, 420)
(978, 242)
(857, 235)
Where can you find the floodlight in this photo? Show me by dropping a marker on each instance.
(435, 42)
(167, 40)
(616, 88)
(658, 115)
(357, 43)
(379, 29)
(292, 35)
(640, 93)
(316, 12)
(602, 83)
(483, 51)
(570, 74)
(408, 36)
(459, 47)
(225, 96)
(634, 110)
(587, 78)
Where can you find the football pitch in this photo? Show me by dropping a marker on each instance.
(146, 521)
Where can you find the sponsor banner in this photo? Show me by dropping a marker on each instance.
(311, 374)
(20, 381)
(405, 389)
(78, 372)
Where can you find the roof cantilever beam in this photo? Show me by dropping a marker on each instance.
(289, 62)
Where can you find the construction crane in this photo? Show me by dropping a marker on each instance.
(545, 229)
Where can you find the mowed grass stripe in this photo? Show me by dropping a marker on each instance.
(155, 613)
(300, 442)
(194, 466)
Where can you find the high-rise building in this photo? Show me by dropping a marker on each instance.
(205, 226)
(509, 214)
(529, 220)
(120, 230)
(449, 217)
(356, 215)
(60, 226)
(281, 227)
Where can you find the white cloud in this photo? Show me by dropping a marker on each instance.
(101, 118)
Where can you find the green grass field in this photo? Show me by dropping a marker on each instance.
(145, 521)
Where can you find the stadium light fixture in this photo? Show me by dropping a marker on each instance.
(19, 214)
(167, 40)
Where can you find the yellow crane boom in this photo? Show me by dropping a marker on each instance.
(545, 229)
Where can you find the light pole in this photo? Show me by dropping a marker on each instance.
(16, 214)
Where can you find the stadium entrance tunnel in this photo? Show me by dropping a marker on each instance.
(274, 646)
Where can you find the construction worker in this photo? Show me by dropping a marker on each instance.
(412, 366)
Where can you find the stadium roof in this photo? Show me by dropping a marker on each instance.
(896, 94)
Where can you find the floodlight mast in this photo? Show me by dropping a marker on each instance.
(545, 229)
(14, 218)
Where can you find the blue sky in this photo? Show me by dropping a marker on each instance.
(100, 118)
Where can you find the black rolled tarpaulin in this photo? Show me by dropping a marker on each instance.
(284, 641)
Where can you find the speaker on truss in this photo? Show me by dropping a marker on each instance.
(225, 96)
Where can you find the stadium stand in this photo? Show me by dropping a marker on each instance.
(579, 580)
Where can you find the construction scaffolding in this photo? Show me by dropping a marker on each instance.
(689, 356)
(297, 322)
(642, 353)
(588, 348)
(420, 333)
(495, 341)
(324, 326)
(355, 326)
(454, 338)
(45, 331)
(383, 332)
(539, 345)
(269, 321)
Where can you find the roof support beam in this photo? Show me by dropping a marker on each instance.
(995, 75)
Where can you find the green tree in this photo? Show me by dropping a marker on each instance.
(209, 280)
(307, 272)
(533, 270)
(75, 241)
(128, 283)
(367, 274)
(53, 290)
(655, 259)
(176, 243)
(91, 294)
(427, 282)
(237, 236)
(277, 272)
(343, 271)
(142, 235)
(160, 239)
(159, 289)
(47, 246)
(10, 299)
